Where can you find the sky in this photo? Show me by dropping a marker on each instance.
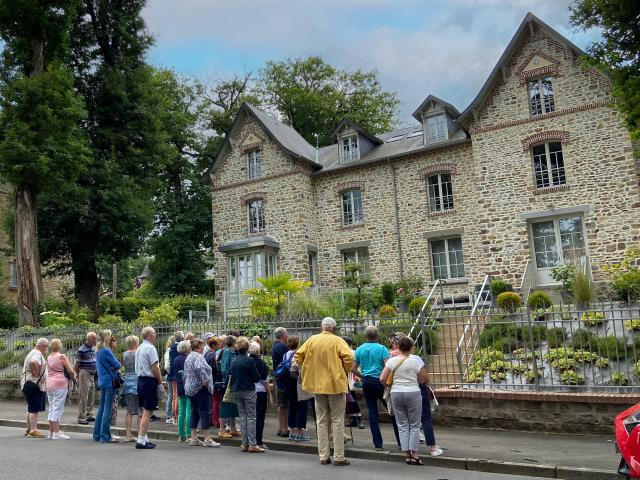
(418, 47)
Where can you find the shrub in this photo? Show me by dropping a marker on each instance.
(109, 319)
(499, 366)
(519, 368)
(475, 375)
(612, 347)
(3, 344)
(602, 362)
(593, 319)
(556, 337)
(585, 356)
(509, 301)
(564, 364)
(539, 300)
(498, 377)
(530, 375)
(525, 355)
(416, 305)
(20, 344)
(304, 304)
(408, 288)
(633, 325)
(619, 378)
(499, 286)
(583, 338)
(162, 314)
(570, 377)
(387, 311)
(388, 292)
(582, 289)
(626, 286)
(8, 315)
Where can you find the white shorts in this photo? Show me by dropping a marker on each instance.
(56, 404)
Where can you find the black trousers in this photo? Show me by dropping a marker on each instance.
(261, 413)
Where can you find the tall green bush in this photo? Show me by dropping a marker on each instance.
(388, 291)
(498, 286)
(582, 289)
(539, 300)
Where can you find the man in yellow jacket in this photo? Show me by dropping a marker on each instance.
(326, 360)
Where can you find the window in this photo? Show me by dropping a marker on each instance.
(350, 149)
(548, 165)
(13, 275)
(244, 269)
(436, 129)
(395, 138)
(359, 256)
(541, 96)
(446, 258)
(254, 166)
(313, 268)
(256, 216)
(417, 133)
(440, 192)
(352, 207)
(558, 241)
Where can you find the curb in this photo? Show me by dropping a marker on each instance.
(471, 464)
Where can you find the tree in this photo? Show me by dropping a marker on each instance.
(267, 301)
(313, 96)
(618, 54)
(182, 234)
(40, 143)
(109, 212)
(354, 278)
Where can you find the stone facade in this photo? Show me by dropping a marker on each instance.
(489, 158)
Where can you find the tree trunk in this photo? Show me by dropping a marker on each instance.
(27, 254)
(86, 284)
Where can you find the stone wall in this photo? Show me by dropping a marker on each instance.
(581, 413)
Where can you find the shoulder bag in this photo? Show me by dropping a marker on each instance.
(229, 395)
(116, 379)
(387, 389)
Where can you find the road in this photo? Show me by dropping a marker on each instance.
(23, 458)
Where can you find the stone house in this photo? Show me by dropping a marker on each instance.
(537, 171)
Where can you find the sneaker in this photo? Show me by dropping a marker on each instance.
(83, 421)
(91, 418)
(115, 437)
(292, 437)
(145, 446)
(263, 446)
(131, 439)
(170, 421)
(154, 417)
(59, 436)
(210, 443)
(49, 435)
(303, 438)
(195, 443)
(436, 451)
(182, 439)
(379, 449)
(35, 434)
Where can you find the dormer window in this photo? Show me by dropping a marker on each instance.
(436, 128)
(350, 150)
(541, 96)
(254, 164)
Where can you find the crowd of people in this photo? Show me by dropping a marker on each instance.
(223, 382)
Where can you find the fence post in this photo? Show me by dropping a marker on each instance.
(208, 310)
(190, 320)
(424, 338)
(536, 380)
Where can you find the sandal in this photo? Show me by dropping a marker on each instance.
(414, 461)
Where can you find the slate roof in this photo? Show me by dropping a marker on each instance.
(450, 109)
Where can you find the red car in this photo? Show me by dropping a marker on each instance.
(628, 441)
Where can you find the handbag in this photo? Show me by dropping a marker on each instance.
(116, 379)
(386, 396)
(433, 400)
(229, 395)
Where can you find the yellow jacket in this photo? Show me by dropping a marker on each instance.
(325, 359)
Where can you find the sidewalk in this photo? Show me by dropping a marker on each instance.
(523, 453)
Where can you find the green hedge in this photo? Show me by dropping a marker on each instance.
(129, 308)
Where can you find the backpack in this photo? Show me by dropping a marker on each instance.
(282, 374)
(210, 358)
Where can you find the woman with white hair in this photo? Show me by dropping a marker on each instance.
(263, 391)
(107, 367)
(33, 387)
(57, 387)
(184, 404)
(131, 385)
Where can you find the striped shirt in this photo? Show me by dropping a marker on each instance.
(86, 358)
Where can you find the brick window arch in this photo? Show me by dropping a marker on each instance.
(559, 135)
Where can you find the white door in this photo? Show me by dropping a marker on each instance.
(556, 241)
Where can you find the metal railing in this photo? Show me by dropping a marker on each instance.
(528, 281)
(471, 332)
(417, 331)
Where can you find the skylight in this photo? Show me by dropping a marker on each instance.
(395, 138)
(417, 133)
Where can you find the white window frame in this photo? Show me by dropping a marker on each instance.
(440, 128)
(254, 164)
(447, 257)
(549, 176)
(358, 255)
(256, 264)
(351, 207)
(256, 221)
(440, 202)
(349, 148)
(546, 102)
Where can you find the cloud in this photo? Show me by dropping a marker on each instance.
(441, 47)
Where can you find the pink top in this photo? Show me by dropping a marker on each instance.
(55, 374)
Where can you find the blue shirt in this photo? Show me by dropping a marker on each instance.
(277, 352)
(86, 358)
(107, 365)
(371, 358)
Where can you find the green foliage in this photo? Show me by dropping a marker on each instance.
(109, 320)
(3, 345)
(305, 304)
(251, 329)
(408, 288)
(160, 315)
(268, 300)
(313, 96)
(582, 289)
(354, 278)
(475, 376)
(564, 274)
(416, 305)
(632, 325)
(388, 291)
(612, 347)
(498, 377)
(556, 336)
(602, 362)
(564, 363)
(593, 319)
(129, 308)
(525, 355)
(499, 366)
(499, 286)
(625, 276)
(509, 301)
(636, 369)
(617, 52)
(539, 300)
(583, 338)
(519, 368)
(619, 379)
(8, 315)
(530, 375)
(20, 344)
(387, 311)
(570, 377)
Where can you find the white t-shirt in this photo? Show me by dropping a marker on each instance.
(405, 378)
(34, 356)
(146, 356)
